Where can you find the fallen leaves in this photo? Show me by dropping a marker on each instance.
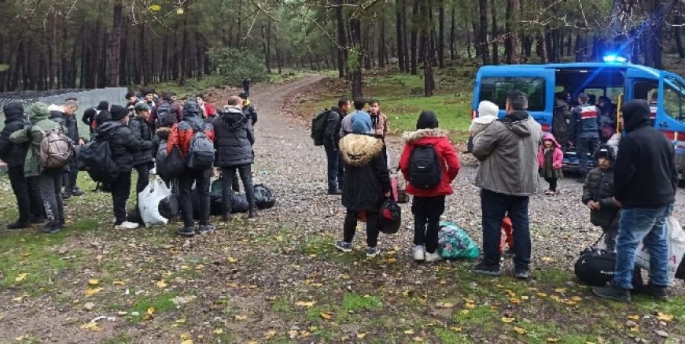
(309, 304)
(161, 284)
(520, 330)
(664, 317)
(232, 260)
(445, 305)
(93, 326)
(93, 282)
(149, 314)
(21, 277)
(361, 335)
(92, 291)
(240, 317)
(409, 332)
(219, 331)
(508, 320)
(325, 315)
(553, 340)
(186, 338)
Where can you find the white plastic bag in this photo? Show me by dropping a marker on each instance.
(676, 248)
(148, 202)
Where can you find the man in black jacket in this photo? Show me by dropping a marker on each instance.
(25, 189)
(248, 108)
(142, 159)
(645, 179)
(123, 145)
(330, 144)
(65, 115)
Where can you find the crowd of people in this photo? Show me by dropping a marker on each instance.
(41, 145)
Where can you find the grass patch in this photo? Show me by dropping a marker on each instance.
(354, 302)
(160, 303)
(451, 336)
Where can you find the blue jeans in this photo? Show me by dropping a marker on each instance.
(648, 226)
(494, 207)
(335, 169)
(585, 145)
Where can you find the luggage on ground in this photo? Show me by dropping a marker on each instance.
(454, 243)
(390, 217)
(264, 197)
(149, 200)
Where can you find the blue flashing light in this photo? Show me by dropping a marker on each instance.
(614, 58)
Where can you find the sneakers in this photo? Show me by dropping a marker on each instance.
(66, 195)
(186, 232)
(252, 213)
(126, 225)
(77, 192)
(657, 292)
(335, 192)
(18, 225)
(51, 227)
(226, 217)
(521, 274)
(419, 253)
(612, 293)
(343, 246)
(37, 220)
(206, 229)
(483, 269)
(433, 257)
(372, 251)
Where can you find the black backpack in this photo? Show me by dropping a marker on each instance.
(390, 217)
(424, 167)
(96, 158)
(596, 267)
(164, 116)
(319, 127)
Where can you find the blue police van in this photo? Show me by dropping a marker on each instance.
(615, 79)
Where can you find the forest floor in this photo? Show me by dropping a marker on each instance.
(279, 280)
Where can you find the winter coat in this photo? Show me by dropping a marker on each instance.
(234, 138)
(366, 173)
(599, 187)
(13, 154)
(176, 111)
(585, 122)
(141, 131)
(560, 121)
(67, 121)
(645, 174)
(558, 157)
(507, 150)
(182, 133)
(160, 138)
(380, 125)
(250, 111)
(346, 124)
(332, 131)
(208, 110)
(122, 143)
(32, 166)
(449, 162)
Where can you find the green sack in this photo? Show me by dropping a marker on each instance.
(454, 243)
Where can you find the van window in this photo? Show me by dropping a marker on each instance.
(496, 89)
(674, 99)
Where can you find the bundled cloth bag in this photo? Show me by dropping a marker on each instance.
(390, 217)
(676, 248)
(454, 243)
(148, 202)
(595, 267)
(264, 197)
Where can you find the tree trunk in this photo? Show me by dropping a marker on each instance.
(495, 46)
(677, 21)
(356, 64)
(414, 36)
(381, 45)
(580, 48)
(342, 40)
(512, 48)
(115, 45)
(483, 32)
(429, 82)
(399, 9)
(453, 34)
(441, 36)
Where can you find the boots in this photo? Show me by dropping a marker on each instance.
(252, 213)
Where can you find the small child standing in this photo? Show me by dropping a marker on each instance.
(550, 159)
(598, 196)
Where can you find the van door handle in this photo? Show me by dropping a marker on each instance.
(663, 125)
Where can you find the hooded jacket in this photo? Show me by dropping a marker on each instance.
(599, 187)
(234, 138)
(449, 162)
(182, 132)
(141, 131)
(13, 154)
(557, 157)
(175, 110)
(122, 143)
(365, 168)
(560, 120)
(250, 111)
(645, 175)
(507, 150)
(34, 135)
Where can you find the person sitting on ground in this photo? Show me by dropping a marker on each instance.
(598, 196)
(248, 108)
(29, 203)
(142, 159)
(550, 161)
(123, 145)
(182, 135)
(49, 179)
(428, 203)
(346, 124)
(335, 165)
(234, 138)
(364, 163)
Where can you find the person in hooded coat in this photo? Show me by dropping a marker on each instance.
(645, 182)
(366, 166)
(49, 180)
(142, 159)
(428, 205)
(181, 135)
(123, 145)
(29, 203)
(234, 140)
(508, 176)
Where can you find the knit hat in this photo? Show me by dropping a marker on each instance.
(118, 112)
(361, 123)
(104, 105)
(487, 108)
(606, 152)
(427, 120)
(243, 95)
(141, 106)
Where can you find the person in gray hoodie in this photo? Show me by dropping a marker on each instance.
(508, 176)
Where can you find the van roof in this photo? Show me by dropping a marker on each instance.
(574, 65)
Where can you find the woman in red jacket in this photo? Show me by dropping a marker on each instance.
(429, 163)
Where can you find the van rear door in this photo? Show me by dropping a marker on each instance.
(670, 112)
(494, 83)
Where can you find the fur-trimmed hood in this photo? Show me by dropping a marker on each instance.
(163, 133)
(414, 136)
(359, 150)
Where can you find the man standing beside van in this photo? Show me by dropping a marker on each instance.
(584, 131)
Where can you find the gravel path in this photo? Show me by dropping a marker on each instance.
(287, 160)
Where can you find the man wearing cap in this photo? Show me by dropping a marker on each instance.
(142, 159)
(645, 182)
(584, 130)
(123, 145)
